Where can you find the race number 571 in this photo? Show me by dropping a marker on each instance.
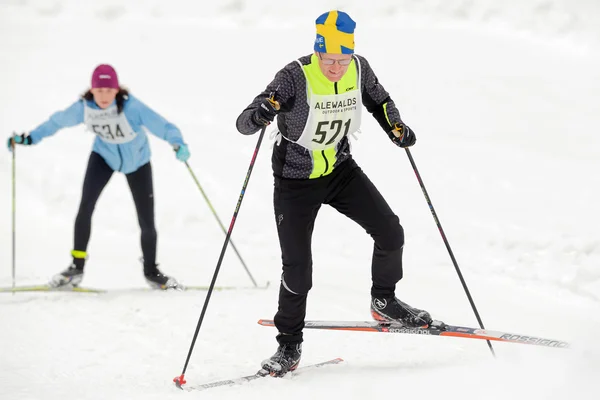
(330, 130)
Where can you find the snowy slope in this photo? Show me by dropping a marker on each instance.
(505, 110)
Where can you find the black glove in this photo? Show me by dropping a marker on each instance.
(266, 112)
(18, 139)
(402, 135)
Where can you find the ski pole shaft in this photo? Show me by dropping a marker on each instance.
(439, 225)
(180, 379)
(219, 221)
(14, 214)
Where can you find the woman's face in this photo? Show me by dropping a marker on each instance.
(104, 97)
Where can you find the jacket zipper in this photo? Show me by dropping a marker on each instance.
(326, 163)
(121, 157)
(335, 88)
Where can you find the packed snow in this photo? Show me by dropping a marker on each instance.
(503, 97)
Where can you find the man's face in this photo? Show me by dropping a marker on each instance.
(334, 66)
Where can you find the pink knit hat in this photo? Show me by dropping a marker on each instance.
(105, 76)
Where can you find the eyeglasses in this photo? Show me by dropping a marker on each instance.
(329, 61)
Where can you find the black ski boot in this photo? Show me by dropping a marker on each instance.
(157, 280)
(72, 276)
(285, 359)
(393, 310)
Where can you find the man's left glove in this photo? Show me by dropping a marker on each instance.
(402, 135)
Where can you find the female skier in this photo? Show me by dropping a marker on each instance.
(117, 119)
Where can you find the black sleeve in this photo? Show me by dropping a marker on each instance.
(282, 88)
(376, 99)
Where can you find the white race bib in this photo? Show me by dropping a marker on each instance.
(108, 124)
(331, 118)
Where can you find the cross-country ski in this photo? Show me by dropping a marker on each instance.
(437, 328)
(84, 289)
(260, 374)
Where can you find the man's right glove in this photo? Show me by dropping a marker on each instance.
(266, 112)
(23, 139)
(402, 135)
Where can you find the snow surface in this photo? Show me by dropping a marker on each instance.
(504, 99)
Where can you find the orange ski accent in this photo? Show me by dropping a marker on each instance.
(378, 317)
(363, 329)
(472, 336)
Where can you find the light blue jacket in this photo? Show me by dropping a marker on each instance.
(126, 157)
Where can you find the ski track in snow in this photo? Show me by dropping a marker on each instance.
(504, 103)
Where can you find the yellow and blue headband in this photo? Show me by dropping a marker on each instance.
(335, 33)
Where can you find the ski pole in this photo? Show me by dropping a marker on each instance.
(180, 380)
(439, 225)
(14, 213)
(219, 221)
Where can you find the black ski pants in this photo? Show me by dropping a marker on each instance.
(140, 182)
(296, 204)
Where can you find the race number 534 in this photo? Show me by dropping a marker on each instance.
(105, 132)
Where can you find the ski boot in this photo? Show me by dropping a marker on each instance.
(70, 277)
(157, 280)
(391, 309)
(285, 359)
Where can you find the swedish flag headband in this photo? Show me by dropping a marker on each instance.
(335, 33)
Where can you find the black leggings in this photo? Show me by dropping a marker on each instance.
(297, 202)
(140, 182)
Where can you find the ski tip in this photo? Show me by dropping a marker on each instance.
(266, 322)
(179, 381)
